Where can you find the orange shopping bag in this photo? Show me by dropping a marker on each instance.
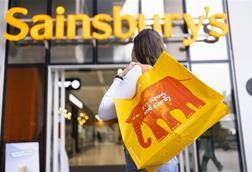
(170, 110)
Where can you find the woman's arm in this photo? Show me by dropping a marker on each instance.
(106, 110)
(125, 88)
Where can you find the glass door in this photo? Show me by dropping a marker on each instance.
(76, 136)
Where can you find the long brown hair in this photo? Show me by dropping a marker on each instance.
(148, 45)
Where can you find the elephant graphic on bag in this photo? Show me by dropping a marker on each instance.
(157, 101)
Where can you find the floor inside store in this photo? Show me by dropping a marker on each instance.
(100, 155)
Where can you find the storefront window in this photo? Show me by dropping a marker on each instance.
(112, 51)
(128, 6)
(109, 53)
(209, 51)
(23, 51)
(75, 51)
(210, 48)
(74, 7)
(24, 107)
(67, 53)
(149, 8)
(174, 46)
(26, 53)
(219, 145)
(34, 7)
(177, 50)
(196, 7)
(173, 6)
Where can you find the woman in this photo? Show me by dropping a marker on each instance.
(148, 45)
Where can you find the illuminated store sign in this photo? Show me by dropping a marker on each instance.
(43, 25)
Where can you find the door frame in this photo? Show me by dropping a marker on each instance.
(56, 74)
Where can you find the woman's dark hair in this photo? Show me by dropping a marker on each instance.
(148, 45)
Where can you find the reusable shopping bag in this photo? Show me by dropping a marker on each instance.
(170, 110)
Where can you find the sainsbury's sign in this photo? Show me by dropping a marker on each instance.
(102, 26)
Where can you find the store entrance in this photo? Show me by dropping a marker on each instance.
(89, 140)
(80, 140)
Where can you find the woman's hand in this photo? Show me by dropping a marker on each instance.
(128, 68)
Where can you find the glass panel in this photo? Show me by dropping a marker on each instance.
(173, 6)
(177, 50)
(92, 138)
(34, 7)
(80, 51)
(219, 143)
(196, 7)
(149, 8)
(24, 109)
(128, 6)
(109, 53)
(207, 50)
(208, 72)
(27, 52)
(74, 7)
(68, 53)
(32, 53)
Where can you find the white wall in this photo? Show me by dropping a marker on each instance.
(240, 14)
(3, 9)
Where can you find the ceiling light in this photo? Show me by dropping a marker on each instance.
(75, 101)
(75, 84)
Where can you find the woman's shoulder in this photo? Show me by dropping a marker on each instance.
(145, 67)
(138, 69)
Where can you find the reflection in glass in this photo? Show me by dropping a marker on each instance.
(160, 7)
(209, 51)
(34, 7)
(177, 50)
(149, 9)
(109, 53)
(74, 7)
(219, 144)
(128, 6)
(217, 50)
(26, 53)
(173, 6)
(82, 53)
(196, 7)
